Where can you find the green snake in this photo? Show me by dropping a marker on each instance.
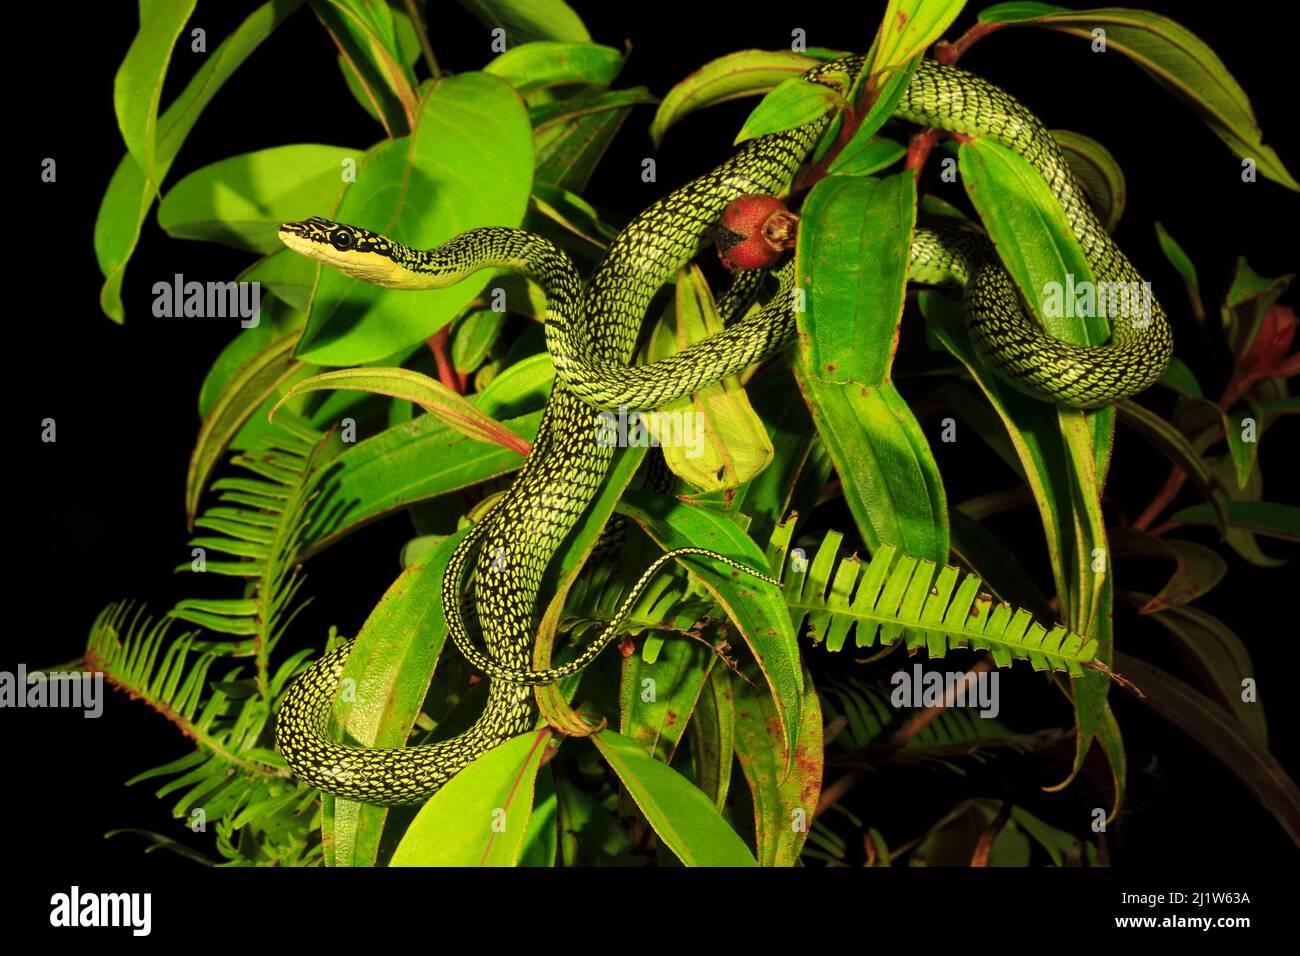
(591, 334)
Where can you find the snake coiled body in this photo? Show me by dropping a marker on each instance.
(591, 336)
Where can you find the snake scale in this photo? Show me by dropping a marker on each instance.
(591, 334)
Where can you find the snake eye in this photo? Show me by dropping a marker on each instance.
(343, 239)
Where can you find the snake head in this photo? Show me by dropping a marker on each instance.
(354, 251)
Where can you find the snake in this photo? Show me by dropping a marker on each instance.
(591, 334)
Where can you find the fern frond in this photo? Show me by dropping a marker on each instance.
(235, 778)
(666, 604)
(871, 720)
(897, 597)
(259, 522)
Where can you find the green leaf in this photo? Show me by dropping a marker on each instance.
(467, 164)
(137, 87)
(866, 155)
(1247, 302)
(677, 676)
(287, 275)
(430, 394)
(589, 834)
(1183, 266)
(1174, 57)
(402, 465)
(852, 258)
(542, 64)
(257, 380)
(276, 323)
(746, 73)
(726, 444)
(241, 201)
(1032, 236)
(1262, 517)
(541, 842)
(713, 736)
(372, 60)
(794, 102)
(472, 339)
(1243, 452)
(852, 253)
(883, 89)
(1181, 379)
(423, 458)
(1219, 658)
(568, 151)
(130, 193)
(392, 673)
(1198, 569)
(572, 213)
(754, 606)
(783, 806)
(1099, 173)
(481, 816)
(908, 27)
(685, 819)
(528, 20)
(1033, 430)
(1222, 735)
(1063, 454)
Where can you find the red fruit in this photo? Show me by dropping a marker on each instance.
(754, 231)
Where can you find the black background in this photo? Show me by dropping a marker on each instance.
(99, 515)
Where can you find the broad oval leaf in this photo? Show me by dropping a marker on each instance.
(544, 63)
(852, 259)
(392, 662)
(467, 164)
(685, 819)
(746, 73)
(481, 816)
(526, 20)
(241, 201)
(794, 102)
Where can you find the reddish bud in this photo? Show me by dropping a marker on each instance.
(754, 231)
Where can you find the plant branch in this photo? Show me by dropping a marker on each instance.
(447, 374)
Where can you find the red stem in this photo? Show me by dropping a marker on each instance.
(447, 374)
